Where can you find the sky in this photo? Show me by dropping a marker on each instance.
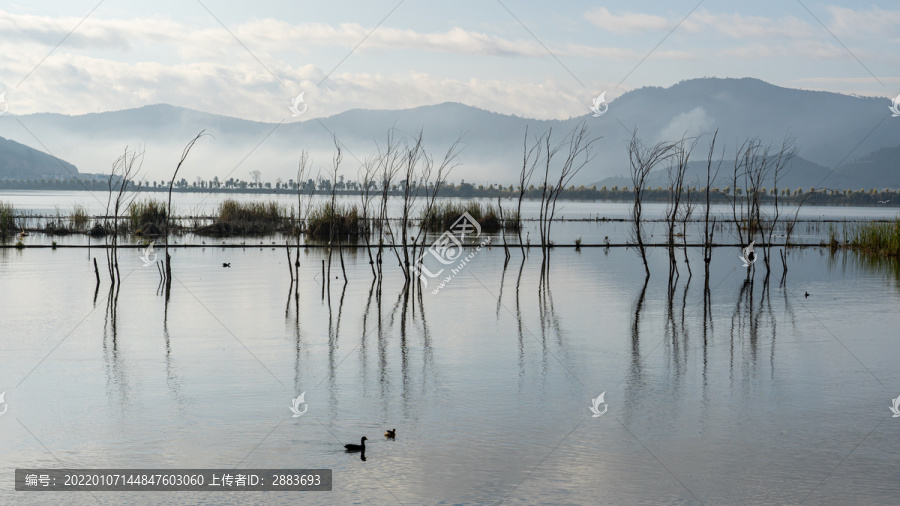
(532, 59)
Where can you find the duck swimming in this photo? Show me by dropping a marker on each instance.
(361, 447)
(391, 433)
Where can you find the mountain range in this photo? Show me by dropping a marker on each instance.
(843, 141)
(18, 161)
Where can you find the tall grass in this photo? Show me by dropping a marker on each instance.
(7, 218)
(444, 214)
(882, 239)
(79, 218)
(346, 220)
(235, 217)
(147, 217)
(62, 224)
(234, 211)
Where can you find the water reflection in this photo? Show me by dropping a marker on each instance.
(519, 334)
(293, 320)
(877, 264)
(751, 319)
(675, 330)
(676, 363)
(753, 325)
(173, 381)
(635, 382)
(116, 377)
(334, 331)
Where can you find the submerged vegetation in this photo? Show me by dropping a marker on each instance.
(62, 224)
(7, 219)
(237, 218)
(342, 220)
(79, 217)
(443, 215)
(875, 238)
(147, 217)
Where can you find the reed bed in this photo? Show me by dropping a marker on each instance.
(7, 219)
(147, 217)
(345, 219)
(247, 218)
(877, 238)
(79, 218)
(74, 222)
(444, 214)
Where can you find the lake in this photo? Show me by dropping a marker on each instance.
(812, 229)
(754, 393)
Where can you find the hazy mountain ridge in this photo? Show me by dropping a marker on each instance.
(828, 128)
(18, 161)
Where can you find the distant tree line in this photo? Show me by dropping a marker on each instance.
(463, 189)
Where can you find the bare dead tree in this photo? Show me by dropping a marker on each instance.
(503, 226)
(184, 154)
(709, 228)
(780, 165)
(304, 206)
(413, 155)
(433, 187)
(760, 164)
(367, 181)
(530, 157)
(120, 178)
(684, 215)
(757, 165)
(737, 205)
(677, 172)
(388, 165)
(546, 195)
(579, 154)
(642, 160)
(333, 232)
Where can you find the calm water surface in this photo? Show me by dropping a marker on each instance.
(759, 395)
(564, 233)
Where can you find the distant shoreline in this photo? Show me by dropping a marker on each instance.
(871, 197)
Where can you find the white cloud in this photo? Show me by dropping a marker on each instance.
(265, 36)
(868, 23)
(78, 84)
(628, 22)
(625, 54)
(739, 26)
(806, 49)
(110, 69)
